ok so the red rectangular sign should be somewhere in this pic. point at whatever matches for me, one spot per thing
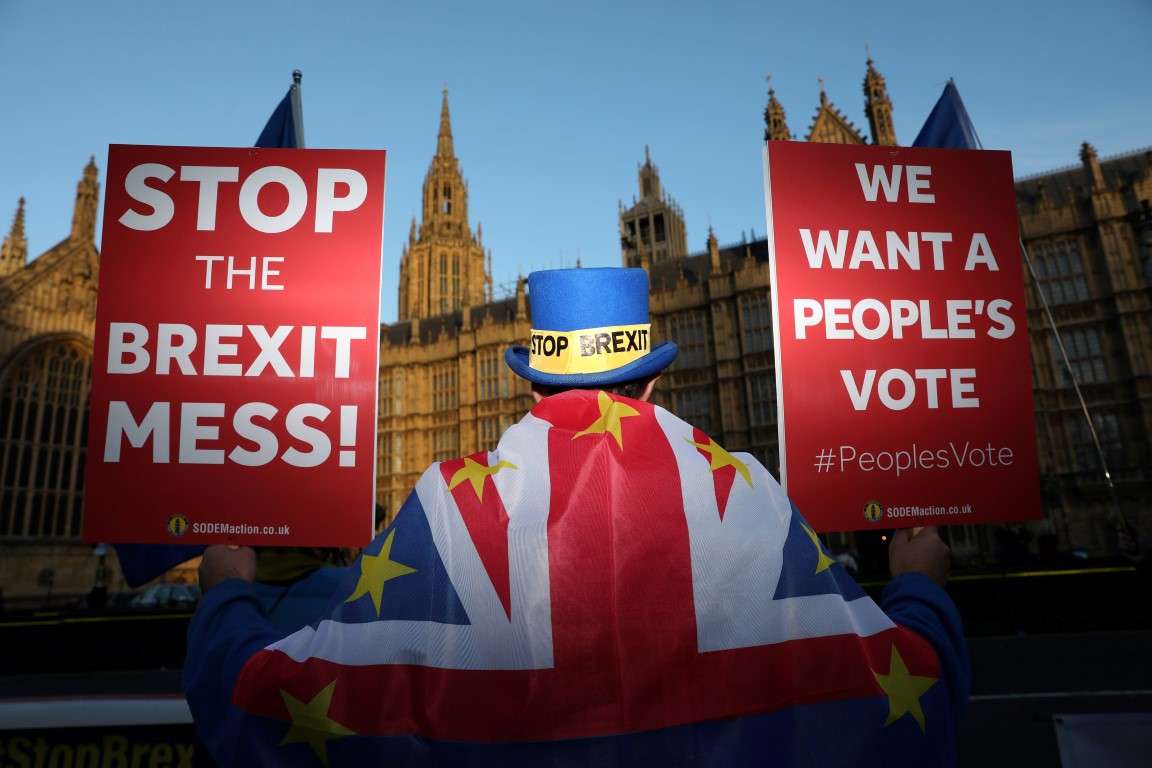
(236, 352)
(902, 356)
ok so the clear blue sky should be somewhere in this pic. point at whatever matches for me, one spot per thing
(552, 103)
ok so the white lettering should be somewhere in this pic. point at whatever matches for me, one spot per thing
(269, 351)
(962, 386)
(256, 434)
(897, 249)
(961, 381)
(343, 335)
(915, 179)
(937, 239)
(845, 319)
(958, 318)
(122, 423)
(980, 252)
(905, 314)
(918, 182)
(880, 330)
(222, 354)
(208, 262)
(859, 395)
(328, 203)
(865, 250)
(997, 309)
(265, 439)
(292, 213)
(815, 252)
(192, 432)
(807, 313)
(119, 346)
(162, 206)
(269, 272)
(337, 190)
(297, 428)
(215, 348)
(209, 177)
(879, 178)
(166, 350)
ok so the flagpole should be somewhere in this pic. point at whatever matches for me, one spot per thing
(1076, 388)
(298, 107)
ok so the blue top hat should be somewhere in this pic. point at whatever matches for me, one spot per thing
(590, 328)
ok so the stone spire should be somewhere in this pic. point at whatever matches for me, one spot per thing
(1091, 163)
(14, 252)
(445, 192)
(652, 230)
(713, 251)
(488, 272)
(87, 199)
(878, 108)
(444, 148)
(649, 177)
(775, 126)
(443, 265)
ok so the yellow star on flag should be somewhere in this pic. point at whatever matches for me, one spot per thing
(611, 412)
(822, 560)
(311, 724)
(375, 570)
(475, 472)
(721, 458)
(904, 690)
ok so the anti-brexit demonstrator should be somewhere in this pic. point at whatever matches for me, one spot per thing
(235, 359)
(609, 587)
(903, 362)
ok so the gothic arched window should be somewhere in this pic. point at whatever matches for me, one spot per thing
(44, 440)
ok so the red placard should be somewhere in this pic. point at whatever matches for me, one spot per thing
(236, 351)
(902, 358)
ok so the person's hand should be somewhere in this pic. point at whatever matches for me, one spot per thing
(919, 550)
(221, 562)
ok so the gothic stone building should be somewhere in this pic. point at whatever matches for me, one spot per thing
(445, 390)
(1088, 233)
(47, 317)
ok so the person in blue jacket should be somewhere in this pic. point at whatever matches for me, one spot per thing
(608, 587)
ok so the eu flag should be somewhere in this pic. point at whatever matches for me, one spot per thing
(609, 587)
(285, 128)
(948, 126)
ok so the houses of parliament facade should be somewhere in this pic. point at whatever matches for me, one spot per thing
(444, 390)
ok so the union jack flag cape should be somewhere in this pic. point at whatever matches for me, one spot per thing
(608, 587)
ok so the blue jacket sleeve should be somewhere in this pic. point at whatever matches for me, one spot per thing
(227, 628)
(915, 601)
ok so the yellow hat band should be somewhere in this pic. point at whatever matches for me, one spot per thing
(592, 350)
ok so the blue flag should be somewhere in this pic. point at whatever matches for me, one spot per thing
(140, 563)
(948, 126)
(285, 128)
